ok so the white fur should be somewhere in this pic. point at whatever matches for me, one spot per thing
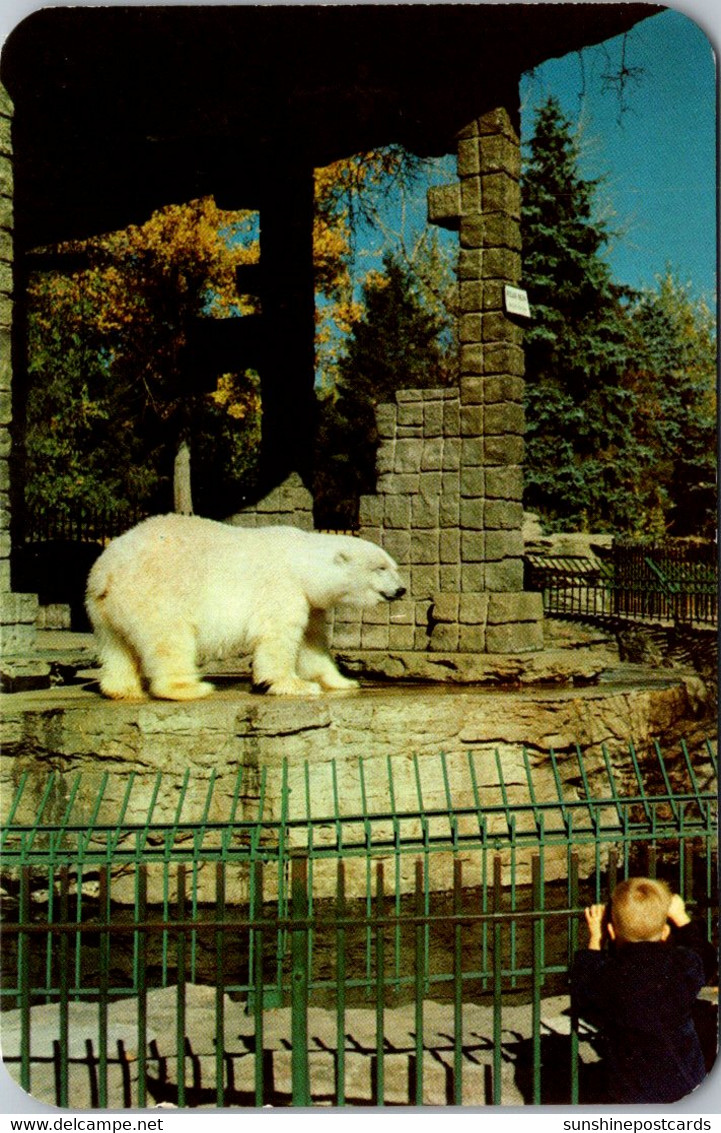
(178, 587)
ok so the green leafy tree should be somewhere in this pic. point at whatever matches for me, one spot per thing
(110, 401)
(583, 456)
(673, 373)
(83, 448)
(399, 343)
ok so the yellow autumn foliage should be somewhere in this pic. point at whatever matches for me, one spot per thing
(236, 398)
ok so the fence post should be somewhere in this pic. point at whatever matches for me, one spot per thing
(420, 969)
(458, 984)
(537, 927)
(257, 977)
(141, 983)
(24, 978)
(497, 978)
(380, 987)
(64, 988)
(340, 981)
(181, 954)
(104, 984)
(573, 903)
(299, 982)
(219, 983)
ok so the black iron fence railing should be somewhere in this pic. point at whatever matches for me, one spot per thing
(671, 582)
(79, 525)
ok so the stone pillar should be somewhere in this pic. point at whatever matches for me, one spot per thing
(18, 612)
(484, 207)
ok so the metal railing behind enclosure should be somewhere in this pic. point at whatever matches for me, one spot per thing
(673, 580)
(665, 582)
(353, 958)
(79, 524)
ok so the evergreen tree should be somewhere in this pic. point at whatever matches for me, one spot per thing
(582, 457)
(399, 343)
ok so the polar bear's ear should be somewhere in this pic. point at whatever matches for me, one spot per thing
(341, 558)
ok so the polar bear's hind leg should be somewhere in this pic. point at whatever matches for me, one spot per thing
(169, 664)
(287, 686)
(181, 689)
(119, 672)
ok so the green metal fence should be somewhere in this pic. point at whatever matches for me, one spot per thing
(327, 955)
(670, 582)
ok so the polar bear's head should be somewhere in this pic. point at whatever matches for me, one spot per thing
(356, 572)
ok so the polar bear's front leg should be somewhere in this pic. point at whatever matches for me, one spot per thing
(314, 661)
(275, 662)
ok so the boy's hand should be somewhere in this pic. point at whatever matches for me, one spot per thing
(595, 916)
(677, 911)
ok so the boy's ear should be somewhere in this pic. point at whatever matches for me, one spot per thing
(611, 931)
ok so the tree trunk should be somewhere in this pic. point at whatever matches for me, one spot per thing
(182, 492)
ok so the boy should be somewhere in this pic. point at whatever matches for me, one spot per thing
(641, 992)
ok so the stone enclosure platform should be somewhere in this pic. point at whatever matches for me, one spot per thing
(576, 698)
(72, 728)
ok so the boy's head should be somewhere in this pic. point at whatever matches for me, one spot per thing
(639, 908)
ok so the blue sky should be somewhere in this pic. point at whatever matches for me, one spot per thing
(658, 157)
(659, 160)
(654, 152)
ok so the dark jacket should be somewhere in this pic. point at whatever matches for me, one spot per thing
(641, 997)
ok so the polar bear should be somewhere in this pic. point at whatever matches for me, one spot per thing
(177, 587)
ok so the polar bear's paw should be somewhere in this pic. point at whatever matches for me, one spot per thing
(133, 691)
(181, 690)
(288, 686)
(336, 682)
(119, 676)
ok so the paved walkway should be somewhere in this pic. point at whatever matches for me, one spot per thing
(399, 1069)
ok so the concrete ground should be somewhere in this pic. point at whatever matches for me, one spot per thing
(399, 1063)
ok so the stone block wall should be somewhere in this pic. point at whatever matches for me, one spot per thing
(17, 611)
(491, 613)
(431, 514)
(289, 504)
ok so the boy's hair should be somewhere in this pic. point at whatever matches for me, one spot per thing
(639, 908)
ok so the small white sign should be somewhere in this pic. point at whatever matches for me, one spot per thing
(516, 302)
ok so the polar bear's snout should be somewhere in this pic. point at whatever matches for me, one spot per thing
(386, 579)
(390, 596)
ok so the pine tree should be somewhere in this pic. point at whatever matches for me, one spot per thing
(399, 343)
(582, 456)
(396, 343)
